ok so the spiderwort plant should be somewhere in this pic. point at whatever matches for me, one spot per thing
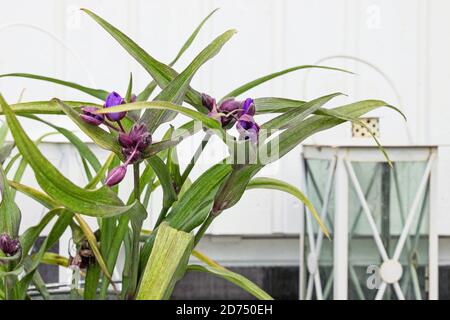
(154, 260)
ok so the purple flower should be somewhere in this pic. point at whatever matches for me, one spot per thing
(248, 128)
(114, 99)
(135, 142)
(226, 113)
(9, 246)
(248, 107)
(88, 115)
(140, 136)
(116, 175)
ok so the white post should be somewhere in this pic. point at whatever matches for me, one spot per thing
(433, 242)
(302, 271)
(340, 232)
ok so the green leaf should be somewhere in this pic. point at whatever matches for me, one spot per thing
(161, 170)
(101, 137)
(82, 148)
(90, 237)
(275, 105)
(234, 187)
(291, 137)
(31, 235)
(5, 151)
(31, 263)
(100, 202)
(160, 72)
(145, 94)
(40, 285)
(167, 263)
(113, 251)
(250, 85)
(164, 105)
(193, 207)
(235, 278)
(102, 172)
(46, 107)
(148, 90)
(9, 212)
(4, 129)
(37, 195)
(192, 37)
(295, 116)
(98, 93)
(176, 89)
(55, 259)
(174, 168)
(271, 183)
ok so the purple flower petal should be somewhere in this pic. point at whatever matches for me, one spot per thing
(248, 128)
(248, 107)
(114, 99)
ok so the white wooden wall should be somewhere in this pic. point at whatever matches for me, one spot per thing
(399, 49)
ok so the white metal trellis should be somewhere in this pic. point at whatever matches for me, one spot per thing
(342, 172)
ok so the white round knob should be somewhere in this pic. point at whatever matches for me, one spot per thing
(311, 263)
(391, 271)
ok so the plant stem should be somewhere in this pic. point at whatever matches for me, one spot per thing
(201, 232)
(136, 228)
(121, 126)
(196, 155)
(136, 181)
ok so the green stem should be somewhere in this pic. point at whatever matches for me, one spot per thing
(136, 227)
(201, 232)
(196, 155)
(136, 181)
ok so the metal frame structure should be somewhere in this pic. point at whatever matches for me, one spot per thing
(341, 176)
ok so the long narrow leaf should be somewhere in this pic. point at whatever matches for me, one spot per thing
(250, 85)
(235, 278)
(176, 89)
(97, 93)
(271, 183)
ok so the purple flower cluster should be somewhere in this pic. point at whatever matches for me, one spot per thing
(133, 143)
(231, 111)
(113, 99)
(8, 245)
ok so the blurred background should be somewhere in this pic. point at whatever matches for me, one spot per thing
(399, 53)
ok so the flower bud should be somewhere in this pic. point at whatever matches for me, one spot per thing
(89, 116)
(208, 101)
(229, 105)
(125, 140)
(116, 175)
(9, 246)
(140, 136)
(114, 99)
